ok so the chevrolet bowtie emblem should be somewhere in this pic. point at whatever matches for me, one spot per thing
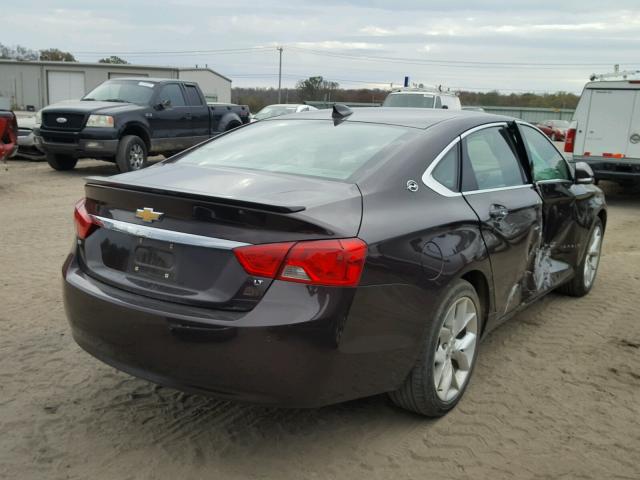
(148, 214)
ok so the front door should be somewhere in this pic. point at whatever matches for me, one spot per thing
(495, 185)
(170, 122)
(554, 183)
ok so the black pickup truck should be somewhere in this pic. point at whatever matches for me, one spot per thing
(125, 120)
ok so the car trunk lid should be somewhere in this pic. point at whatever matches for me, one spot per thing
(169, 231)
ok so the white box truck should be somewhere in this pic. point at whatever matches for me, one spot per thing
(605, 131)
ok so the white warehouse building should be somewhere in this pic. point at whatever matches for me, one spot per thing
(34, 85)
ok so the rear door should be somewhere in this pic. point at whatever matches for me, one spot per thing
(199, 114)
(495, 185)
(633, 137)
(607, 128)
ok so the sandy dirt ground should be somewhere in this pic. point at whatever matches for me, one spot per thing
(556, 392)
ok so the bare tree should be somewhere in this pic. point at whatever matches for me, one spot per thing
(113, 59)
(18, 53)
(316, 88)
(56, 55)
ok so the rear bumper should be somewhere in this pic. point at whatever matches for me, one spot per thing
(27, 145)
(612, 168)
(300, 347)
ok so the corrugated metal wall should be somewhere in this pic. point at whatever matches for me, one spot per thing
(532, 115)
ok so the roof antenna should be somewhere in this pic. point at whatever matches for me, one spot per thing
(340, 113)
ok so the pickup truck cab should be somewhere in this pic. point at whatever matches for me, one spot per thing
(125, 120)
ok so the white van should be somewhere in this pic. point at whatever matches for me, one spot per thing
(422, 98)
(605, 131)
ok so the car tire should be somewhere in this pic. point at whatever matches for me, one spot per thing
(61, 162)
(586, 271)
(425, 389)
(132, 154)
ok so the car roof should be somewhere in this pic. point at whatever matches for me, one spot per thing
(422, 91)
(405, 117)
(151, 79)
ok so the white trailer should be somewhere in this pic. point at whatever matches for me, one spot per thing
(605, 131)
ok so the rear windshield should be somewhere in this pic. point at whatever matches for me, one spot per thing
(413, 100)
(303, 147)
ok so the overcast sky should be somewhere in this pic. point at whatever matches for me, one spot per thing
(506, 45)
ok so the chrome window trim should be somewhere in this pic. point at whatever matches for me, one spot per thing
(482, 127)
(431, 182)
(572, 180)
(166, 235)
(498, 189)
(436, 186)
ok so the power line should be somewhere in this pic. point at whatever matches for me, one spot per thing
(362, 57)
(450, 63)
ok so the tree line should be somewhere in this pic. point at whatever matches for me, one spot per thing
(318, 89)
(24, 54)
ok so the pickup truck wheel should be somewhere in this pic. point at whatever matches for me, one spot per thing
(61, 162)
(132, 154)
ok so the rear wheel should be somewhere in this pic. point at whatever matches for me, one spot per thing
(442, 373)
(61, 162)
(587, 269)
(132, 154)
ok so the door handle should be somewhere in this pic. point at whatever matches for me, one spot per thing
(188, 116)
(498, 211)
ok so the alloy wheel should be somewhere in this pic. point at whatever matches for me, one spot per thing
(455, 350)
(136, 157)
(593, 257)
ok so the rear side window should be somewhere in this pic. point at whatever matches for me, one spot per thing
(546, 162)
(193, 96)
(173, 93)
(302, 147)
(446, 172)
(490, 161)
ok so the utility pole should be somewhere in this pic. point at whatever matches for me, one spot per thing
(280, 76)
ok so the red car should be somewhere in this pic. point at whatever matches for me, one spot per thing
(8, 134)
(554, 129)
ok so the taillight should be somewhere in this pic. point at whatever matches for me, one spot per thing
(84, 223)
(569, 140)
(262, 260)
(317, 262)
(13, 130)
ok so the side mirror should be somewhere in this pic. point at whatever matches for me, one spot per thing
(163, 105)
(584, 174)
